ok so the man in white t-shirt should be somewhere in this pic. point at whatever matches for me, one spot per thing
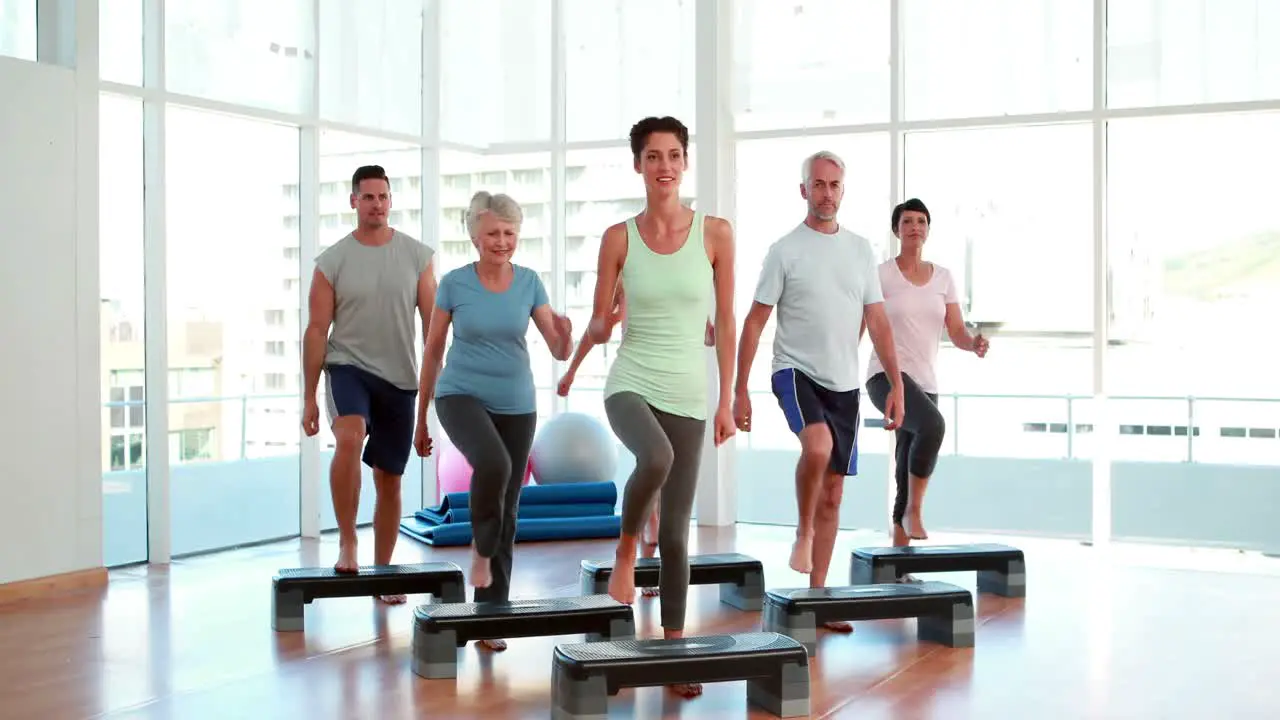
(824, 281)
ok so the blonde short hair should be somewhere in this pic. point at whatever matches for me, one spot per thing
(501, 205)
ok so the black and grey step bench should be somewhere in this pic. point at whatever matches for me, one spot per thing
(1001, 569)
(740, 577)
(294, 588)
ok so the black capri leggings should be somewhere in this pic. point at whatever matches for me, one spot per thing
(918, 439)
(497, 449)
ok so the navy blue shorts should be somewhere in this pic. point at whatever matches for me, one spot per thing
(805, 402)
(389, 414)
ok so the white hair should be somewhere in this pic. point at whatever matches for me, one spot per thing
(806, 169)
(501, 205)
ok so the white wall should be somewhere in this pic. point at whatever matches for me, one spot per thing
(50, 459)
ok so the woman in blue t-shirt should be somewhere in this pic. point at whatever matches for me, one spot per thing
(485, 395)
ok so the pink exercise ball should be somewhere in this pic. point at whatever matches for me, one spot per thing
(453, 472)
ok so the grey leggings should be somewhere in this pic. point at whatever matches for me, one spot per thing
(918, 439)
(497, 449)
(668, 450)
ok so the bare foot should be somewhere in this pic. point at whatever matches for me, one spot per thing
(914, 525)
(649, 592)
(347, 560)
(480, 575)
(494, 645)
(622, 581)
(802, 554)
(393, 599)
(684, 690)
(687, 690)
(839, 626)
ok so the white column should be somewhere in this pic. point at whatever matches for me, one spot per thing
(430, 192)
(716, 502)
(1104, 427)
(897, 175)
(155, 304)
(557, 224)
(310, 473)
(72, 41)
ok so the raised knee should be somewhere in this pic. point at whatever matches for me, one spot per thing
(815, 445)
(656, 462)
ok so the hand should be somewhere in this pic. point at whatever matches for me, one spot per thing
(310, 417)
(894, 406)
(710, 339)
(421, 440)
(565, 383)
(564, 330)
(980, 346)
(724, 425)
(601, 329)
(742, 411)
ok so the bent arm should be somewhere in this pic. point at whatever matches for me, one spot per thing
(725, 324)
(956, 330)
(320, 306)
(877, 322)
(752, 328)
(432, 356)
(559, 343)
(613, 250)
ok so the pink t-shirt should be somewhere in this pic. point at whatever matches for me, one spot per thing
(917, 314)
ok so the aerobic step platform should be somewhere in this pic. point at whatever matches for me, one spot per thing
(740, 577)
(294, 588)
(439, 630)
(775, 667)
(1001, 569)
(944, 611)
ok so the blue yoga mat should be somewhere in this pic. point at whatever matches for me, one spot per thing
(456, 515)
(527, 530)
(595, 493)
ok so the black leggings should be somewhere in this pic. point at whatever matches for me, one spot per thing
(497, 449)
(919, 438)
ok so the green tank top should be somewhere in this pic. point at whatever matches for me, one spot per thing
(662, 357)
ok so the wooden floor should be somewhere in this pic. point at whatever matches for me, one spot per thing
(1098, 636)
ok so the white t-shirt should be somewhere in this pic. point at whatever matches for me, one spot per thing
(917, 314)
(819, 284)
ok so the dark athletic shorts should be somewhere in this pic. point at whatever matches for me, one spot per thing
(389, 414)
(804, 402)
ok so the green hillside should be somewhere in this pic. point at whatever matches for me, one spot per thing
(1233, 267)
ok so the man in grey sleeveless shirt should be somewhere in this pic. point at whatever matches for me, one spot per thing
(367, 288)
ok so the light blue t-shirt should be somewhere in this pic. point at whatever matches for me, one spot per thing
(488, 358)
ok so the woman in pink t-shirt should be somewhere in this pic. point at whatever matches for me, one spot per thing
(921, 301)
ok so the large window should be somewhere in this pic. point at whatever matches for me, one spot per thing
(625, 60)
(997, 57)
(230, 253)
(1193, 271)
(122, 345)
(495, 75)
(809, 63)
(18, 29)
(1176, 52)
(120, 41)
(371, 65)
(248, 52)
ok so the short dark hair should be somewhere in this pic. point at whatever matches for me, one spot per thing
(641, 131)
(912, 205)
(368, 172)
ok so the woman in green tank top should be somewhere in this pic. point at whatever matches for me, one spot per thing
(669, 260)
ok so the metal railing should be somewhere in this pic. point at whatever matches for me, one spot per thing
(1190, 424)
